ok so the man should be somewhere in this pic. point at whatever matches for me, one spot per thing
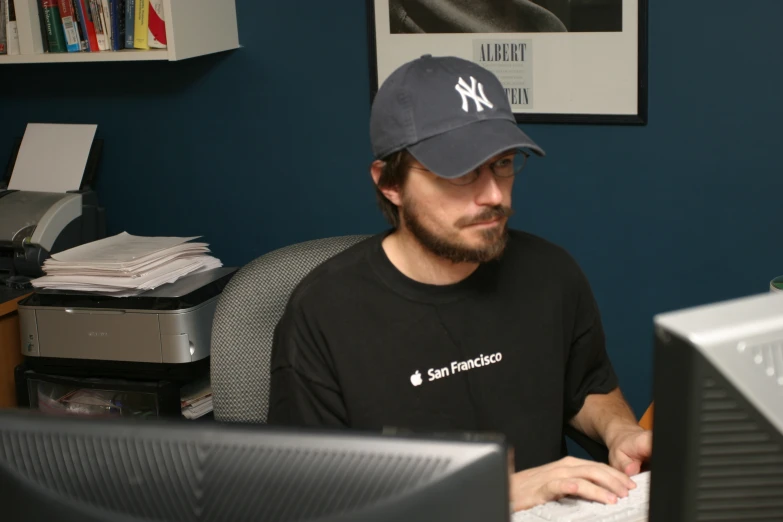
(450, 321)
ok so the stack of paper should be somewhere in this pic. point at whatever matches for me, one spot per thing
(196, 399)
(124, 264)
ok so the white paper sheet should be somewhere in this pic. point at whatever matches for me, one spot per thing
(52, 157)
(151, 279)
(63, 268)
(122, 249)
(124, 264)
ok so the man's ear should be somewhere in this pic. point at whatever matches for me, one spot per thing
(391, 193)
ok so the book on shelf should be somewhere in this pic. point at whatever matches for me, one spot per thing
(156, 27)
(140, 28)
(3, 48)
(96, 11)
(28, 25)
(11, 29)
(70, 26)
(130, 13)
(55, 36)
(86, 25)
(117, 10)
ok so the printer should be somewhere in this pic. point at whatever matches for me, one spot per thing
(170, 325)
(91, 354)
(35, 225)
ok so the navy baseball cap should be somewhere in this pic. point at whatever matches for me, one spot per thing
(451, 114)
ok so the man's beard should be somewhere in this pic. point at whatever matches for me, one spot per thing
(453, 249)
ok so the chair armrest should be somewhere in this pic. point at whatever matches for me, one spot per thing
(646, 421)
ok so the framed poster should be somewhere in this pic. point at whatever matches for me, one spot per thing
(560, 61)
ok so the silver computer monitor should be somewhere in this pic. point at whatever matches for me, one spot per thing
(89, 470)
(718, 427)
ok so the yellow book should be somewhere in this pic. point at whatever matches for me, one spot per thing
(141, 24)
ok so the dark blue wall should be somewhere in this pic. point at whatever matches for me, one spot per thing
(267, 145)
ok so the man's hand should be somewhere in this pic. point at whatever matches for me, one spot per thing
(568, 476)
(629, 448)
(608, 417)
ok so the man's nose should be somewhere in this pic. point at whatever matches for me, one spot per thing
(489, 192)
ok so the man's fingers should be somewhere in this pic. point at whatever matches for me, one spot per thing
(579, 487)
(631, 458)
(632, 468)
(570, 462)
(595, 471)
(625, 464)
(644, 445)
(569, 476)
(606, 477)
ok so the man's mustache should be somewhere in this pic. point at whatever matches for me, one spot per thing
(489, 214)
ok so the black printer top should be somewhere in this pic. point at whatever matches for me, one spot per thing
(186, 292)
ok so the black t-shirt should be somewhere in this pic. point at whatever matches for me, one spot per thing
(513, 349)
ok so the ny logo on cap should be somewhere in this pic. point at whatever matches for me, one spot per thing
(470, 92)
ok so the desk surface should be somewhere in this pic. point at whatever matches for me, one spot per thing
(9, 297)
(10, 353)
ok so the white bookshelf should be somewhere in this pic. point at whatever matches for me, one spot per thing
(193, 28)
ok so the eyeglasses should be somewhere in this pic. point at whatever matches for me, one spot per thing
(507, 166)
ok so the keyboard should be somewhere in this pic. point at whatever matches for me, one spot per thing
(633, 508)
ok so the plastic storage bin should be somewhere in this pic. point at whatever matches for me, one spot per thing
(57, 394)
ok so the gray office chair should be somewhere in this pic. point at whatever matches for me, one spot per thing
(247, 312)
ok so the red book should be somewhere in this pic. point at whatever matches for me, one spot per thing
(89, 26)
(66, 9)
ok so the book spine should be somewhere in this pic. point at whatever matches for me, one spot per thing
(28, 24)
(140, 26)
(77, 20)
(11, 30)
(88, 27)
(156, 36)
(70, 32)
(103, 8)
(95, 13)
(117, 24)
(130, 16)
(3, 47)
(54, 27)
(42, 25)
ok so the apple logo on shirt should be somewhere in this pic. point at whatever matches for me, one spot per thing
(416, 379)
